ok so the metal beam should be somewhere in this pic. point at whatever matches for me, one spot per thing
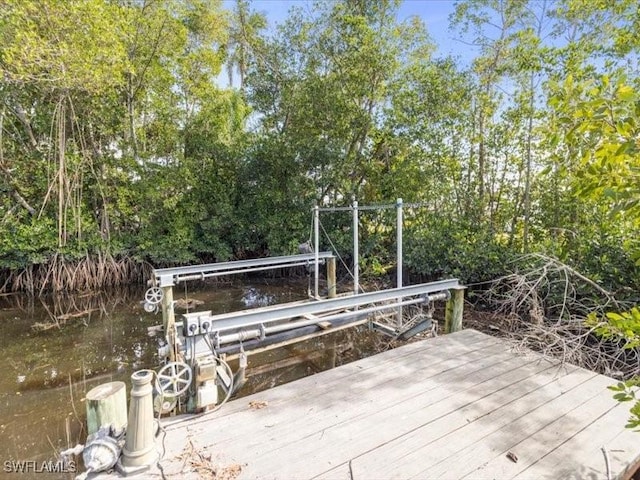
(399, 223)
(316, 251)
(200, 272)
(249, 318)
(283, 327)
(356, 250)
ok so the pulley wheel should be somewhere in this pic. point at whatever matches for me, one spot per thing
(149, 307)
(153, 295)
(174, 378)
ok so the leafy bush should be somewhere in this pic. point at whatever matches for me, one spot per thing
(452, 249)
(625, 327)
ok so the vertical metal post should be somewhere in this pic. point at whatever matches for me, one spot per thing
(316, 250)
(356, 250)
(399, 222)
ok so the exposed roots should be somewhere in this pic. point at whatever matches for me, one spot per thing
(543, 307)
(58, 274)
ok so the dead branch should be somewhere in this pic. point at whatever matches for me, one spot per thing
(546, 304)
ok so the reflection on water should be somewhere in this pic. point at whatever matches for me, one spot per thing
(56, 350)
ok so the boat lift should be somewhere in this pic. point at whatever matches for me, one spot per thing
(194, 347)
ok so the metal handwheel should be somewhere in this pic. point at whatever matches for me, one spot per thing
(174, 378)
(153, 295)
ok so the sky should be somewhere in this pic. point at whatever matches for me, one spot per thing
(434, 13)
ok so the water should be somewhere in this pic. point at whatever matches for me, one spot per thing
(56, 350)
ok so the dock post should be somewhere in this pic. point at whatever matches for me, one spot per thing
(331, 277)
(454, 310)
(107, 405)
(139, 451)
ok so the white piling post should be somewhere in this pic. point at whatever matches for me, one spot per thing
(139, 451)
(399, 221)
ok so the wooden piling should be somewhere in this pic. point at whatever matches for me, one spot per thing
(107, 405)
(454, 310)
(331, 277)
(169, 320)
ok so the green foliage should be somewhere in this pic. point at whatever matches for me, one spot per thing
(627, 392)
(442, 248)
(26, 241)
(118, 137)
(600, 118)
(623, 326)
(64, 45)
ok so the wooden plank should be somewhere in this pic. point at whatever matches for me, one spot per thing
(545, 440)
(577, 453)
(447, 407)
(341, 472)
(494, 441)
(444, 347)
(362, 401)
(624, 451)
(300, 417)
(358, 435)
(477, 411)
(458, 344)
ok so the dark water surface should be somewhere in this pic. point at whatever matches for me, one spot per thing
(55, 350)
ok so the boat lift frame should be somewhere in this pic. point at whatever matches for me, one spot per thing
(355, 209)
(276, 325)
(166, 278)
(219, 324)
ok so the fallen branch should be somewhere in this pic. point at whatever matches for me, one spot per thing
(543, 307)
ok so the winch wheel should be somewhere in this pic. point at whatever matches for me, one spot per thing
(153, 295)
(174, 378)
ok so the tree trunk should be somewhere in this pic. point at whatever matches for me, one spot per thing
(61, 175)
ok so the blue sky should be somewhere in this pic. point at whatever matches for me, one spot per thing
(434, 13)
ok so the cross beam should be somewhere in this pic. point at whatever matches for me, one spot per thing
(250, 318)
(167, 277)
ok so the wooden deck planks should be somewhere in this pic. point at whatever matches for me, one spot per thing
(291, 410)
(449, 407)
(343, 440)
(544, 440)
(569, 459)
(436, 442)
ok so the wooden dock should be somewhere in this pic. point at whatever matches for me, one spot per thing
(457, 406)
